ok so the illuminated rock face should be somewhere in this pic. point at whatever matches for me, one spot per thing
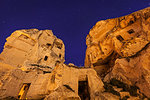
(32, 63)
(64, 82)
(32, 66)
(119, 48)
(30, 48)
(125, 36)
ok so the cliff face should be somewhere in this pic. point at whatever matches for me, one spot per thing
(119, 48)
(125, 36)
(32, 67)
(28, 48)
(117, 63)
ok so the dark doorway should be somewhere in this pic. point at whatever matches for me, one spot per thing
(83, 90)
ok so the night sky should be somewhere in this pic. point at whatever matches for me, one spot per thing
(70, 20)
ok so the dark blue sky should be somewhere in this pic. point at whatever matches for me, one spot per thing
(70, 20)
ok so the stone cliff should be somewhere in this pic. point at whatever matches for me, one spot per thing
(119, 49)
(117, 63)
(33, 47)
(32, 67)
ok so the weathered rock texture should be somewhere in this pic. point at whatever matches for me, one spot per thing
(61, 84)
(32, 63)
(119, 48)
(32, 67)
(33, 48)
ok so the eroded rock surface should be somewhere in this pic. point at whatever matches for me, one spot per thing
(32, 67)
(28, 49)
(134, 70)
(124, 36)
(119, 48)
(117, 63)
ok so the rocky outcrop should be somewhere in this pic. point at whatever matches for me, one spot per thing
(32, 49)
(116, 64)
(32, 67)
(124, 36)
(133, 71)
(119, 48)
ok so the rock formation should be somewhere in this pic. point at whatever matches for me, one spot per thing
(119, 49)
(32, 67)
(117, 63)
(33, 48)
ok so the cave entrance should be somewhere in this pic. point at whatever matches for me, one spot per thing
(83, 90)
(23, 92)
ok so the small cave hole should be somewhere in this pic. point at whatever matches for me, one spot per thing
(59, 55)
(59, 47)
(48, 44)
(120, 38)
(131, 22)
(45, 58)
(131, 31)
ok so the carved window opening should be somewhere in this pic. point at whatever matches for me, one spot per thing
(45, 58)
(23, 92)
(120, 38)
(59, 47)
(131, 22)
(83, 90)
(59, 55)
(48, 44)
(131, 31)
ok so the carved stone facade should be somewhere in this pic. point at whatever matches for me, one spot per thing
(119, 48)
(116, 63)
(32, 67)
